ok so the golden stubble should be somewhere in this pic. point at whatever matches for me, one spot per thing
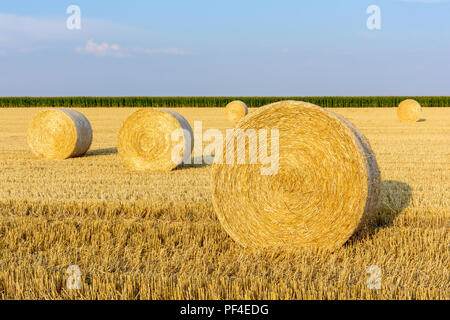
(155, 235)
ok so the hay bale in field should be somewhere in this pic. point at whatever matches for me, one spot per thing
(146, 140)
(59, 134)
(236, 110)
(325, 189)
(409, 111)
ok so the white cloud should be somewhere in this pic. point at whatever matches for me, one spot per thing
(22, 32)
(175, 51)
(101, 49)
(106, 49)
(169, 51)
(27, 34)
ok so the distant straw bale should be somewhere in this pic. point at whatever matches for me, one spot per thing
(236, 110)
(59, 134)
(409, 111)
(146, 140)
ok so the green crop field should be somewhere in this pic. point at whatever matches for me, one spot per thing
(212, 102)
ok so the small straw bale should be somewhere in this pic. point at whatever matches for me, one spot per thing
(59, 134)
(236, 110)
(409, 111)
(325, 189)
(146, 140)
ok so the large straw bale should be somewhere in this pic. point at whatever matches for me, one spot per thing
(325, 189)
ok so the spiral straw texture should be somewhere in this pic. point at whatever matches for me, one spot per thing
(59, 134)
(326, 187)
(146, 142)
(409, 111)
(236, 110)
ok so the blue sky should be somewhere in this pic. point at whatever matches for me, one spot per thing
(226, 48)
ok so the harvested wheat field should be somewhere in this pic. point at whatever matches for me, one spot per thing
(138, 235)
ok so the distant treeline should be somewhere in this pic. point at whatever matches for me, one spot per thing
(199, 102)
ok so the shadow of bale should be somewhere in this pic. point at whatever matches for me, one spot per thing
(197, 162)
(422, 120)
(395, 197)
(101, 152)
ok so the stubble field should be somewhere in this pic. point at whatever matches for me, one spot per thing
(155, 235)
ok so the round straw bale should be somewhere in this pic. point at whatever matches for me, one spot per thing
(325, 188)
(146, 140)
(236, 110)
(409, 111)
(59, 134)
